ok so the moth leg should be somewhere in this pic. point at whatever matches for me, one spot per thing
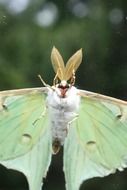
(70, 122)
(43, 82)
(42, 115)
(55, 80)
(72, 82)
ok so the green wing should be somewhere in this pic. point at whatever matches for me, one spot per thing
(25, 138)
(96, 144)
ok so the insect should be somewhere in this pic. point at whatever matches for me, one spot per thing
(36, 122)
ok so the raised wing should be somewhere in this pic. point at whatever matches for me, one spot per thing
(97, 140)
(25, 136)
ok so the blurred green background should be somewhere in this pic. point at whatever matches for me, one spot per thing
(28, 31)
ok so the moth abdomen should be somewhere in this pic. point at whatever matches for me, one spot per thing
(56, 145)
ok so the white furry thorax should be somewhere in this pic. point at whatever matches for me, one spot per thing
(62, 111)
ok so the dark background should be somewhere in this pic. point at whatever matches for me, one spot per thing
(28, 31)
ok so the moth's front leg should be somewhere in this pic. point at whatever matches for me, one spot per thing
(42, 115)
(70, 122)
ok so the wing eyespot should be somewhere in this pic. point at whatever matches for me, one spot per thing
(91, 145)
(26, 138)
(119, 116)
(5, 107)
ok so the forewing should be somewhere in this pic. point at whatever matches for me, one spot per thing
(96, 144)
(22, 121)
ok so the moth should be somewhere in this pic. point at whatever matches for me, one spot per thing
(36, 122)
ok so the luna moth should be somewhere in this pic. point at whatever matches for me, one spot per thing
(36, 122)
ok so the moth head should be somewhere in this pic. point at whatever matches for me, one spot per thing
(62, 88)
(65, 74)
